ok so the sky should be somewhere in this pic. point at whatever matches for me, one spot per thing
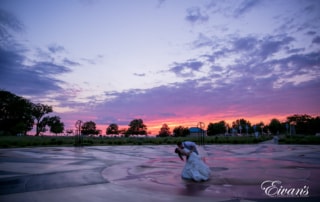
(178, 62)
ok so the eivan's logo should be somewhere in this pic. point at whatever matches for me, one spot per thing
(275, 189)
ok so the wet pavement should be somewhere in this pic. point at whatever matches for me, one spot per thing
(152, 173)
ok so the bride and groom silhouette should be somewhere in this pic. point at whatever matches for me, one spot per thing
(195, 168)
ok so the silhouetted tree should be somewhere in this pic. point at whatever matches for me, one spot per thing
(41, 126)
(15, 114)
(241, 124)
(315, 125)
(303, 123)
(164, 131)
(137, 127)
(181, 131)
(216, 128)
(56, 126)
(275, 126)
(38, 111)
(112, 129)
(89, 128)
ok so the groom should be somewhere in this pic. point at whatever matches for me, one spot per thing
(189, 145)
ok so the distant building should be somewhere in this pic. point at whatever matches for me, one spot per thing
(196, 132)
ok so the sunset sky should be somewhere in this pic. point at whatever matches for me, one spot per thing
(165, 61)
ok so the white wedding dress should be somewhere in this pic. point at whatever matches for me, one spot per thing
(195, 169)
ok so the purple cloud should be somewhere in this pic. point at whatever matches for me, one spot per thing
(49, 68)
(311, 33)
(69, 62)
(34, 79)
(316, 40)
(245, 44)
(247, 94)
(186, 69)
(54, 48)
(140, 75)
(241, 74)
(244, 7)
(9, 22)
(194, 15)
(202, 41)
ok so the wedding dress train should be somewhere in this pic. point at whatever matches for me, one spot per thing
(195, 169)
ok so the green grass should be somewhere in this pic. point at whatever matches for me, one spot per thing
(34, 141)
(300, 139)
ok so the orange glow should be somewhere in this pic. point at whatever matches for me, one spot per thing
(153, 126)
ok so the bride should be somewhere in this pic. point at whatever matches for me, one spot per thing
(194, 169)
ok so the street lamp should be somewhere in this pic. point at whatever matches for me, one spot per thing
(247, 128)
(201, 126)
(78, 136)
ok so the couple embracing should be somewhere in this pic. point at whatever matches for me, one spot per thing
(194, 169)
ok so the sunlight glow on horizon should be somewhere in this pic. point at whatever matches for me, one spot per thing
(175, 62)
(154, 126)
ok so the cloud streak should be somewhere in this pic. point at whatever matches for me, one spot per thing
(218, 66)
(9, 23)
(194, 15)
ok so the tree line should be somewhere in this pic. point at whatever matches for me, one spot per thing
(18, 116)
(136, 127)
(295, 124)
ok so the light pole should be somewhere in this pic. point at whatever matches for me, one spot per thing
(201, 126)
(78, 136)
(227, 129)
(247, 128)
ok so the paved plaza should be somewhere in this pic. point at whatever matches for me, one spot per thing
(152, 173)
